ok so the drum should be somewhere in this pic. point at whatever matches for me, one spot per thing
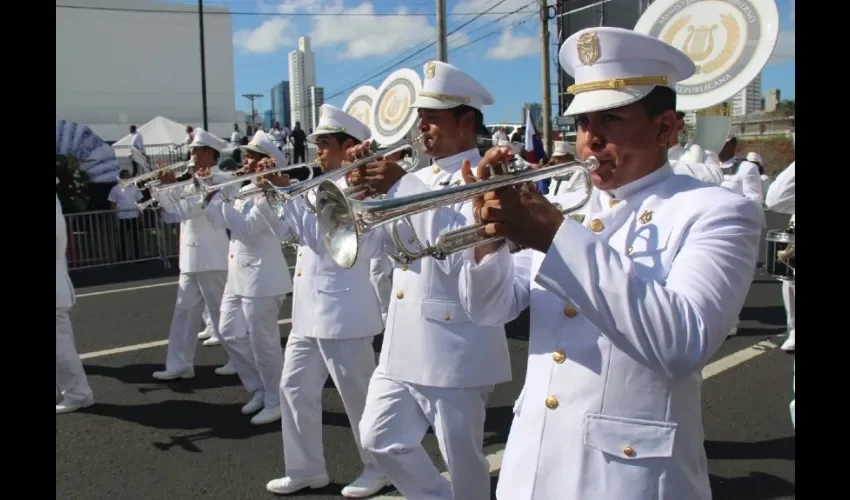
(780, 255)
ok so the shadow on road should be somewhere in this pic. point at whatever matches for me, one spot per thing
(141, 374)
(770, 449)
(769, 315)
(756, 486)
(122, 273)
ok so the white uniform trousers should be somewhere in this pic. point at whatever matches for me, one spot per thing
(395, 420)
(381, 277)
(194, 290)
(793, 405)
(789, 297)
(208, 323)
(307, 363)
(251, 337)
(70, 377)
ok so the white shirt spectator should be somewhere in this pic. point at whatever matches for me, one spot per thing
(125, 200)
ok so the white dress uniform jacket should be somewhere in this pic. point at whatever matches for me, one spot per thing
(203, 242)
(626, 309)
(65, 297)
(745, 182)
(330, 302)
(256, 265)
(446, 349)
(780, 196)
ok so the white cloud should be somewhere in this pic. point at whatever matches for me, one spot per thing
(353, 37)
(366, 35)
(512, 46)
(785, 48)
(270, 36)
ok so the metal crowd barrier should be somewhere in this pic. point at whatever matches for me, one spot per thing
(103, 238)
(109, 237)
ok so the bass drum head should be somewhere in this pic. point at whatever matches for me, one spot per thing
(392, 117)
(729, 41)
(359, 104)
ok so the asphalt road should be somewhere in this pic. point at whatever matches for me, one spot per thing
(145, 439)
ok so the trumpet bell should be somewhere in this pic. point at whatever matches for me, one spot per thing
(336, 216)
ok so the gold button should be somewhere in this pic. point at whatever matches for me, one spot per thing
(570, 312)
(399, 295)
(613, 203)
(411, 240)
(231, 256)
(559, 356)
(404, 267)
(447, 317)
(551, 402)
(299, 273)
(629, 250)
(436, 170)
(596, 225)
(629, 451)
(300, 254)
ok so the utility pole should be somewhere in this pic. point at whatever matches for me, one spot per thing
(252, 97)
(547, 90)
(442, 43)
(203, 64)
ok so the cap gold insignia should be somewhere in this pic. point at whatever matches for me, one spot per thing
(430, 70)
(645, 217)
(588, 48)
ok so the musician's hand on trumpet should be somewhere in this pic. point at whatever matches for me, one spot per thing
(517, 213)
(380, 175)
(166, 177)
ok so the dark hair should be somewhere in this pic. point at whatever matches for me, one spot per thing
(680, 115)
(659, 100)
(463, 109)
(341, 137)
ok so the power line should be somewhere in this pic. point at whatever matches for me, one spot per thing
(275, 14)
(394, 65)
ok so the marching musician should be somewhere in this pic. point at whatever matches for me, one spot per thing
(780, 198)
(335, 317)
(436, 368)
(257, 283)
(563, 152)
(74, 389)
(203, 261)
(626, 307)
(707, 172)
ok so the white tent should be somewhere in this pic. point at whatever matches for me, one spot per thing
(159, 131)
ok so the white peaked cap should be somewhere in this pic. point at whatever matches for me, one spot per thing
(264, 144)
(445, 87)
(563, 148)
(754, 157)
(333, 120)
(615, 67)
(201, 138)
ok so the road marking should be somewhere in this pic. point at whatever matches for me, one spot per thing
(715, 368)
(146, 345)
(132, 288)
(736, 358)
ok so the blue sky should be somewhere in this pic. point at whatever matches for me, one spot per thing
(503, 54)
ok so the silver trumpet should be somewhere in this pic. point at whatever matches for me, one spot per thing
(344, 221)
(195, 182)
(277, 197)
(139, 180)
(231, 186)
